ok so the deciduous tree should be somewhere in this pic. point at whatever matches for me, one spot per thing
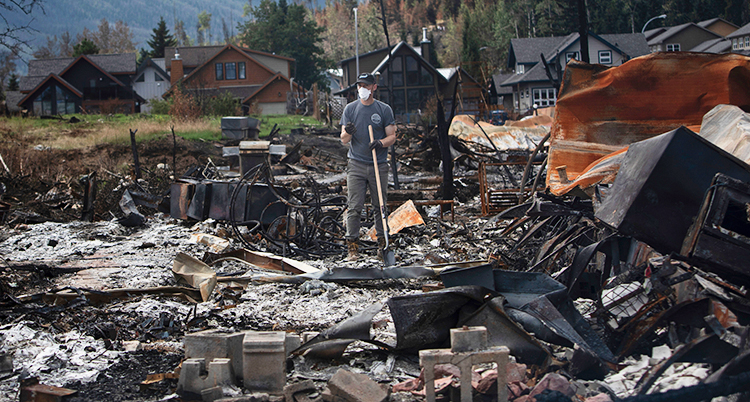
(110, 39)
(16, 21)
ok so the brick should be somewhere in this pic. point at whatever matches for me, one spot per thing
(354, 387)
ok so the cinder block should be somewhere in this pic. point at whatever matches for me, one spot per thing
(308, 335)
(355, 387)
(194, 379)
(264, 361)
(467, 339)
(214, 344)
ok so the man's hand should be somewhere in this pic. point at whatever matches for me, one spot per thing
(376, 145)
(350, 128)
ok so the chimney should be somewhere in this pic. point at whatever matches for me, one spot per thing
(425, 46)
(177, 72)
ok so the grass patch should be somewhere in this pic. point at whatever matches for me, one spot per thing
(94, 129)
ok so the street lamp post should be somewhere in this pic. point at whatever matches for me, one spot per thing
(356, 39)
(655, 18)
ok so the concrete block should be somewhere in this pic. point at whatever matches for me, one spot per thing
(131, 346)
(194, 378)
(354, 387)
(293, 341)
(214, 344)
(467, 339)
(264, 361)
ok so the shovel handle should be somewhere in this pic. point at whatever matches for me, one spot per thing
(377, 182)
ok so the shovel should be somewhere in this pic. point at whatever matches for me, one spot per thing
(388, 257)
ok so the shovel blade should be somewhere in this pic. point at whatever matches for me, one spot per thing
(389, 258)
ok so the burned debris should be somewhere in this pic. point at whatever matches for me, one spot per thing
(597, 255)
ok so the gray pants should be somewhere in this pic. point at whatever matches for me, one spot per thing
(359, 177)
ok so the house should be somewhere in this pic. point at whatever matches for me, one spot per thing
(499, 94)
(740, 39)
(89, 83)
(151, 81)
(259, 81)
(682, 37)
(416, 83)
(719, 26)
(531, 85)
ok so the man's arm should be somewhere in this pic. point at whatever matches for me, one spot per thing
(390, 136)
(345, 137)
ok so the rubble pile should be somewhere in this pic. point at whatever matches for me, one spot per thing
(621, 276)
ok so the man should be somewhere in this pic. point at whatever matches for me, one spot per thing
(355, 122)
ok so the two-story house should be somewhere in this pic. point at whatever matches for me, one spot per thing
(683, 37)
(531, 85)
(740, 40)
(414, 81)
(259, 81)
(92, 83)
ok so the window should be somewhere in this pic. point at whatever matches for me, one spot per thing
(747, 42)
(734, 44)
(673, 47)
(740, 44)
(241, 67)
(141, 78)
(231, 71)
(519, 68)
(544, 97)
(55, 100)
(219, 71)
(572, 55)
(412, 71)
(398, 72)
(605, 57)
(157, 77)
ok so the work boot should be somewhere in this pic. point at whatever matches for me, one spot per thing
(381, 246)
(353, 248)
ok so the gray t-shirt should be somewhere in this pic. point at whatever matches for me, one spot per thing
(379, 115)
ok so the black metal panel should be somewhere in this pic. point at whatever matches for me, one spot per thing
(661, 184)
(199, 204)
(260, 198)
(221, 194)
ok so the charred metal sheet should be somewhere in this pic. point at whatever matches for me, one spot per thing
(199, 204)
(720, 236)
(594, 114)
(547, 300)
(180, 194)
(262, 260)
(220, 199)
(332, 342)
(504, 330)
(132, 217)
(262, 204)
(423, 321)
(32, 391)
(650, 203)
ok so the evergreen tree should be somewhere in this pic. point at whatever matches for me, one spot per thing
(160, 39)
(13, 82)
(85, 46)
(288, 31)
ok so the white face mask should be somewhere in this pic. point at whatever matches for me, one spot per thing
(364, 93)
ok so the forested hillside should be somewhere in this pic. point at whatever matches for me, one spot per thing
(464, 31)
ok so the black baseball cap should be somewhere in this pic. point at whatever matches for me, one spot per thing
(366, 78)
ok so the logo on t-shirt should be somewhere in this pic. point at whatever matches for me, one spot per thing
(376, 119)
